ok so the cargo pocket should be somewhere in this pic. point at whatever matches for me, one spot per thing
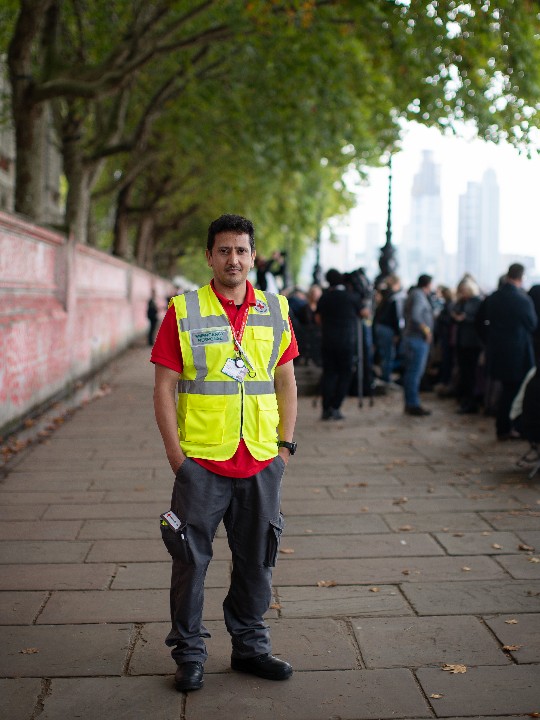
(274, 536)
(176, 543)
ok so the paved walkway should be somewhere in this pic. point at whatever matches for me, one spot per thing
(409, 546)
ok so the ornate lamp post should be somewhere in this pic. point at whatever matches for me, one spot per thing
(387, 259)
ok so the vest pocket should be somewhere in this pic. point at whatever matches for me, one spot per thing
(205, 419)
(268, 417)
(176, 543)
(274, 536)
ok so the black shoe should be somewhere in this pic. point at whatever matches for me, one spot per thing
(327, 415)
(265, 666)
(337, 415)
(417, 410)
(467, 410)
(189, 676)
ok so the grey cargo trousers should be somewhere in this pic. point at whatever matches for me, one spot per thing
(249, 508)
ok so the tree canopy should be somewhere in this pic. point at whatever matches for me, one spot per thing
(168, 113)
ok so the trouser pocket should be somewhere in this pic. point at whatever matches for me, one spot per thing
(177, 543)
(275, 529)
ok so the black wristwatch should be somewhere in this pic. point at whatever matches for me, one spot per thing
(291, 446)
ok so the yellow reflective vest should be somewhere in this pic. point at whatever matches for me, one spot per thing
(215, 411)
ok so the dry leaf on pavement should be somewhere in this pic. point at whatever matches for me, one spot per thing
(29, 651)
(374, 589)
(466, 569)
(455, 669)
(326, 583)
(511, 648)
(511, 622)
(436, 696)
(275, 606)
(522, 546)
(497, 546)
(286, 551)
(534, 560)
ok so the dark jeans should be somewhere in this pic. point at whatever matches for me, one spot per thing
(249, 508)
(337, 374)
(384, 337)
(468, 365)
(416, 353)
(509, 390)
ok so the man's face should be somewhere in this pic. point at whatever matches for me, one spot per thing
(231, 258)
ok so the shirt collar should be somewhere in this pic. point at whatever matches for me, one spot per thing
(250, 298)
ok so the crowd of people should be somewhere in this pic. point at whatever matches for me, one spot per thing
(463, 344)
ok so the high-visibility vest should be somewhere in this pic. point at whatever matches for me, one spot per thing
(215, 411)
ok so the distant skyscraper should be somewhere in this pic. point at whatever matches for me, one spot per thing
(423, 249)
(478, 231)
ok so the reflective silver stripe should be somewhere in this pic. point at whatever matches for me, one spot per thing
(259, 387)
(194, 319)
(208, 387)
(260, 320)
(278, 324)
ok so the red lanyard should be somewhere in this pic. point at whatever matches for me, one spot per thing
(238, 335)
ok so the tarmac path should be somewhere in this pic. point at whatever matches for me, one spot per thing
(411, 544)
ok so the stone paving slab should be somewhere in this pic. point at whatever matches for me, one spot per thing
(119, 529)
(530, 537)
(103, 511)
(518, 520)
(330, 525)
(483, 690)
(315, 644)
(393, 492)
(342, 600)
(150, 550)
(348, 695)
(145, 576)
(50, 576)
(486, 543)
(43, 551)
(21, 512)
(22, 483)
(299, 477)
(420, 641)
(339, 507)
(524, 631)
(356, 571)
(122, 698)
(148, 495)
(63, 650)
(521, 567)
(365, 546)
(473, 598)
(422, 505)
(20, 608)
(40, 530)
(19, 698)
(433, 522)
(121, 606)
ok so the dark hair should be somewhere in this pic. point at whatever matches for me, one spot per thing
(334, 277)
(424, 281)
(515, 271)
(232, 223)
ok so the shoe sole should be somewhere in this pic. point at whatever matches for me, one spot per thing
(262, 675)
(180, 688)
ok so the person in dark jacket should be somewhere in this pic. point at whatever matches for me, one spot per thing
(534, 294)
(468, 343)
(417, 336)
(337, 313)
(511, 322)
(388, 324)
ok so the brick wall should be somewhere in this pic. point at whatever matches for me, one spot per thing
(64, 310)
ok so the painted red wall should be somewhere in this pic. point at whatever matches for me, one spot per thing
(64, 310)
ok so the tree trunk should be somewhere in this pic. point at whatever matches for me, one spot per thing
(78, 196)
(30, 136)
(121, 244)
(145, 242)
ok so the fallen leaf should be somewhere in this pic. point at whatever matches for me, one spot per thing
(374, 589)
(308, 531)
(436, 696)
(466, 569)
(405, 528)
(511, 622)
(534, 560)
(400, 501)
(326, 583)
(511, 648)
(405, 572)
(458, 534)
(29, 651)
(275, 606)
(455, 669)
(496, 546)
(534, 714)
(522, 546)
(315, 490)
(286, 551)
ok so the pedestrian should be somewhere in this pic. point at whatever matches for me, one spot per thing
(417, 336)
(468, 343)
(511, 322)
(229, 349)
(152, 315)
(338, 313)
(387, 324)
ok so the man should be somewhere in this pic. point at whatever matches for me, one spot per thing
(510, 322)
(337, 313)
(417, 335)
(229, 348)
(152, 315)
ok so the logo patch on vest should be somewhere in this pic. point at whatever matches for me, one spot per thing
(260, 307)
(210, 336)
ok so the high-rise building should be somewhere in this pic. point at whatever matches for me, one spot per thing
(422, 250)
(478, 231)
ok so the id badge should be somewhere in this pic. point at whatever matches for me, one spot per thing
(235, 368)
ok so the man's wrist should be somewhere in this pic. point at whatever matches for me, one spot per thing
(290, 446)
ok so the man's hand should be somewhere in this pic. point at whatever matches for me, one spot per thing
(284, 453)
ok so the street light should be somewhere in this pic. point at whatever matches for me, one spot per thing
(387, 260)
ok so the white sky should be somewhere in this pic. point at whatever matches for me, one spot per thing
(461, 160)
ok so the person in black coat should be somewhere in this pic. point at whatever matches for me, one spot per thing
(468, 343)
(511, 322)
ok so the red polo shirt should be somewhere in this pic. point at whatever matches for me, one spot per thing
(167, 352)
